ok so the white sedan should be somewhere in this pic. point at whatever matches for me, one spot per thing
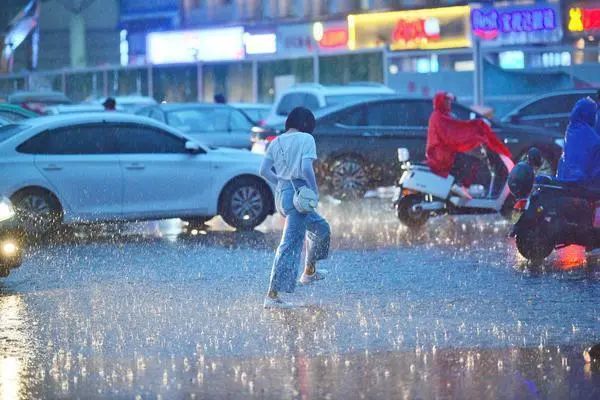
(119, 167)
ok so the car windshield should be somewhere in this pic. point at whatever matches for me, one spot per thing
(334, 100)
(204, 119)
(8, 131)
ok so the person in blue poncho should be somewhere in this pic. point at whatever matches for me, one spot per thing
(580, 162)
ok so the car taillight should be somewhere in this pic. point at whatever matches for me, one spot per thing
(270, 138)
(521, 205)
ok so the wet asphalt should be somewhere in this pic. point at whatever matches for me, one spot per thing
(150, 310)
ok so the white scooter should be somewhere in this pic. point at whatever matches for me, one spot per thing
(420, 193)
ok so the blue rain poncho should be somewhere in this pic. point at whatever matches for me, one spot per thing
(580, 162)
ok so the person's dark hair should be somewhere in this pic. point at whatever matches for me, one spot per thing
(301, 119)
(219, 98)
(110, 103)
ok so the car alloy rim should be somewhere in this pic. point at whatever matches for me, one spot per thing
(349, 176)
(34, 211)
(247, 203)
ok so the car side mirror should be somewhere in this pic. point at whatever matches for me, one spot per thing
(192, 147)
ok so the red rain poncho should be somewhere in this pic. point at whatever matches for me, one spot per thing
(447, 136)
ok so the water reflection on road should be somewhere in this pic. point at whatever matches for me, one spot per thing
(151, 309)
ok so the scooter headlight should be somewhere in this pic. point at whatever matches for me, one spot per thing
(6, 209)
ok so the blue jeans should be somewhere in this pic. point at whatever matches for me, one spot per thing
(298, 227)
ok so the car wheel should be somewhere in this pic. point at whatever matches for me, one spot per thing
(408, 216)
(245, 203)
(38, 211)
(534, 245)
(349, 178)
(196, 222)
(547, 167)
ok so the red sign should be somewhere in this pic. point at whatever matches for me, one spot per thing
(334, 38)
(416, 30)
(584, 19)
(591, 19)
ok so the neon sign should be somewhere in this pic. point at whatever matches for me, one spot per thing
(584, 19)
(489, 24)
(415, 30)
(435, 28)
(334, 38)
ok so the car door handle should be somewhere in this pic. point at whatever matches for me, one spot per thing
(135, 166)
(52, 167)
(510, 140)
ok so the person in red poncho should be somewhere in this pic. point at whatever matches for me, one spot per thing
(448, 139)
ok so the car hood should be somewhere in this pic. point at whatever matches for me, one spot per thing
(237, 154)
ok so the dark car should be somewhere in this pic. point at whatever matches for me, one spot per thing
(212, 124)
(550, 111)
(357, 143)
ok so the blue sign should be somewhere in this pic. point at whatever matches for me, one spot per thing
(539, 23)
(133, 7)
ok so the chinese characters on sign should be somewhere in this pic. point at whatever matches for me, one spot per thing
(517, 25)
(437, 28)
(584, 19)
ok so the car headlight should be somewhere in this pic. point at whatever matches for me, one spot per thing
(560, 142)
(6, 209)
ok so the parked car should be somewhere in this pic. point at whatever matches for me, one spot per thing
(11, 239)
(4, 121)
(550, 111)
(117, 166)
(357, 144)
(15, 113)
(212, 124)
(128, 104)
(315, 96)
(38, 101)
(73, 109)
(256, 112)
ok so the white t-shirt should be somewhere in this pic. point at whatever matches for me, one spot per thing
(287, 152)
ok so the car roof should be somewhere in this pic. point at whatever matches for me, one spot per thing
(54, 121)
(538, 97)
(190, 106)
(330, 110)
(17, 109)
(24, 96)
(364, 88)
(262, 106)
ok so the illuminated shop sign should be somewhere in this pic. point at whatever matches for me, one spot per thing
(193, 46)
(517, 25)
(302, 40)
(584, 20)
(436, 28)
(260, 43)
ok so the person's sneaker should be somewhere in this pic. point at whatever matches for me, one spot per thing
(276, 303)
(317, 276)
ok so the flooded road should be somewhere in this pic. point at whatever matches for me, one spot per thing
(150, 310)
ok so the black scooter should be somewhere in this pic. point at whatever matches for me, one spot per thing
(553, 214)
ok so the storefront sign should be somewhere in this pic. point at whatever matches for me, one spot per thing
(260, 43)
(307, 39)
(517, 25)
(584, 20)
(436, 28)
(197, 45)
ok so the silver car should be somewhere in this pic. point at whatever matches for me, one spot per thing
(216, 125)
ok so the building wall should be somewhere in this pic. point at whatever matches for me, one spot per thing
(101, 37)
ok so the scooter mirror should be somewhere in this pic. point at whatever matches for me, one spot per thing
(403, 155)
